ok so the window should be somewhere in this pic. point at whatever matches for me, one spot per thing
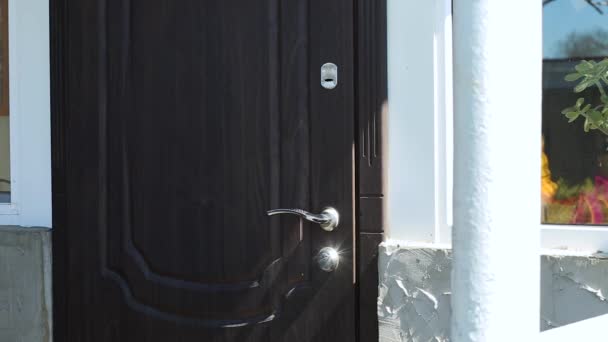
(575, 156)
(574, 132)
(25, 162)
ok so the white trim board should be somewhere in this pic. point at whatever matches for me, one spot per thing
(419, 197)
(29, 91)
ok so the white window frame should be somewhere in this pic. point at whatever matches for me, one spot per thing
(29, 107)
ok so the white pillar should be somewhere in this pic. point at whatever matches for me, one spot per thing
(497, 132)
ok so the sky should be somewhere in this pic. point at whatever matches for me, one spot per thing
(561, 17)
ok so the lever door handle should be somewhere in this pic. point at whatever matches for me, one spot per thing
(328, 219)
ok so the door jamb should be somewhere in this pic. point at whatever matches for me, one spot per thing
(371, 94)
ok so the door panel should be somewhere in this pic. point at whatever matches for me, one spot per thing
(219, 171)
(185, 121)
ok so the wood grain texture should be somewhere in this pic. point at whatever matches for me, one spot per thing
(59, 236)
(371, 214)
(371, 103)
(371, 95)
(176, 125)
(368, 286)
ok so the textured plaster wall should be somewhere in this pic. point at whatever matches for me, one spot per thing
(25, 285)
(414, 291)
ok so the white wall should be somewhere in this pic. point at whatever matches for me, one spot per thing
(419, 120)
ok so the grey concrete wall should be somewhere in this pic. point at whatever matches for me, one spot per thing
(414, 291)
(25, 285)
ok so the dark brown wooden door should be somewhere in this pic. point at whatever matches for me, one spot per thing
(181, 123)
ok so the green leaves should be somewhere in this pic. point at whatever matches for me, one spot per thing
(584, 66)
(572, 116)
(579, 102)
(573, 77)
(572, 113)
(590, 73)
(582, 86)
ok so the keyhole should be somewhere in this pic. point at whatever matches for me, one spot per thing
(329, 75)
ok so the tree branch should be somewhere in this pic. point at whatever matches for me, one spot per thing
(596, 5)
(590, 2)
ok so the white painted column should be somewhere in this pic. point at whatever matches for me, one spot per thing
(497, 131)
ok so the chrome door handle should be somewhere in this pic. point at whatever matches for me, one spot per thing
(328, 219)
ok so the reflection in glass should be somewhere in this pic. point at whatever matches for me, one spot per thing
(575, 112)
(5, 176)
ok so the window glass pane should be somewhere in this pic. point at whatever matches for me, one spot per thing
(575, 112)
(5, 170)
